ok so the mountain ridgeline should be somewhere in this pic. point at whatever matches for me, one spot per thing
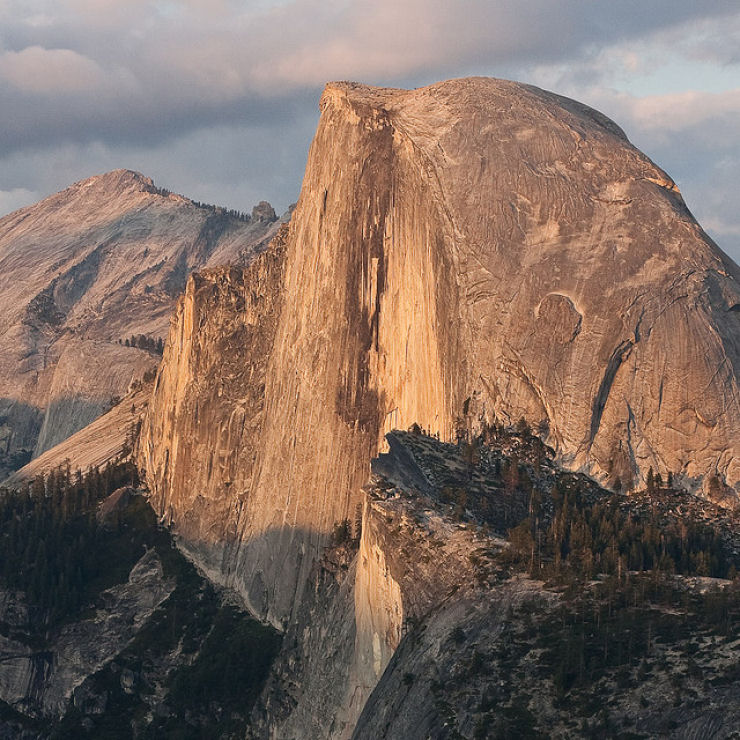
(82, 272)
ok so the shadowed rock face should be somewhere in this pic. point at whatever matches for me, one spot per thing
(476, 239)
(106, 439)
(83, 269)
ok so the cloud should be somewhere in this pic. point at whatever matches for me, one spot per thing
(677, 112)
(91, 84)
(231, 165)
(154, 65)
(11, 200)
(708, 40)
(56, 71)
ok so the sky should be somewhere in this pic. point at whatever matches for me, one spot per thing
(218, 99)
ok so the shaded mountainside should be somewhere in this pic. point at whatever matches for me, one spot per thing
(80, 273)
(470, 251)
(479, 591)
(106, 630)
(599, 614)
(109, 437)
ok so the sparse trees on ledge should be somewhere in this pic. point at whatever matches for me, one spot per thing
(142, 341)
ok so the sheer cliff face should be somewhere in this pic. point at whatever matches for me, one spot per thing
(80, 271)
(586, 296)
(201, 439)
(476, 239)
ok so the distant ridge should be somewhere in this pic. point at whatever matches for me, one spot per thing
(80, 272)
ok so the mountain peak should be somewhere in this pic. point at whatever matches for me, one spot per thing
(119, 175)
(455, 99)
(116, 181)
(96, 263)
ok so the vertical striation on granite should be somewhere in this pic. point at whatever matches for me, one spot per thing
(476, 239)
(362, 600)
(200, 439)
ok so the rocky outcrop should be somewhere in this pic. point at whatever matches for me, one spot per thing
(473, 249)
(84, 647)
(151, 646)
(362, 599)
(200, 441)
(42, 682)
(82, 271)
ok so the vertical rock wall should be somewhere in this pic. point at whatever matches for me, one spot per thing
(363, 339)
(379, 613)
(200, 440)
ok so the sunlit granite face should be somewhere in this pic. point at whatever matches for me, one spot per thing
(475, 245)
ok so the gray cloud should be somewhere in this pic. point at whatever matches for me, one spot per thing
(80, 69)
(234, 165)
(217, 98)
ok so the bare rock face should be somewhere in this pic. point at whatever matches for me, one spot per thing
(83, 270)
(477, 247)
(365, 595)
(200, 440)
(40, 682)
(263, 211)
